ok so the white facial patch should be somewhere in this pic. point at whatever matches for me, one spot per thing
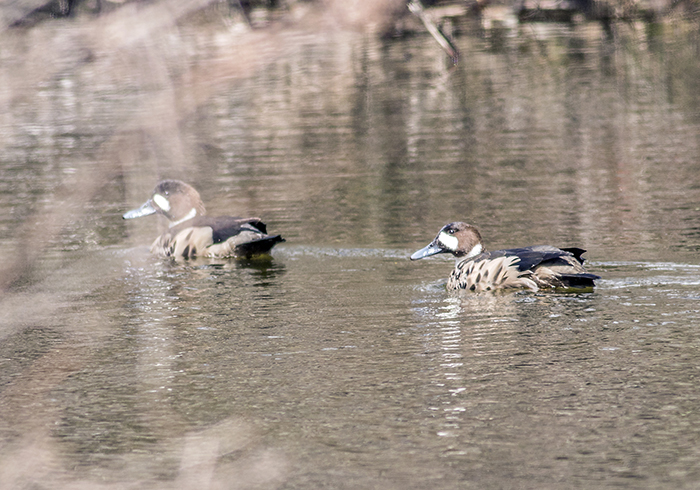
(475, 251)
(161, 202)
(448, 241)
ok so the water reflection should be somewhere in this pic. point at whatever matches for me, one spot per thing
(478, 339)
(509, 361)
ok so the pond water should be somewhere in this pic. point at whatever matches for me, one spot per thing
(338, 362)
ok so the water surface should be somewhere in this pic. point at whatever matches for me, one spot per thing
(337, 362)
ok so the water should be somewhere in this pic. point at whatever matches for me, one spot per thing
(339, 363)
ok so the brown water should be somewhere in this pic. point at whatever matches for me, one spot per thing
(338, 363)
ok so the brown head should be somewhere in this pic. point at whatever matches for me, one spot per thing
(458, 238)
(173, 199)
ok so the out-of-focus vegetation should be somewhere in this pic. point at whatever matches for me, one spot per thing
(29, 12)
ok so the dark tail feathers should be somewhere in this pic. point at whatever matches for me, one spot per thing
(258, 247)
(576, 252)
(578, 280)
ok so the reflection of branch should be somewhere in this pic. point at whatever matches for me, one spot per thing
(416, 7)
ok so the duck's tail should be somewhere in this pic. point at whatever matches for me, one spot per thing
(257, 247)
(576, 252)
(577, 281)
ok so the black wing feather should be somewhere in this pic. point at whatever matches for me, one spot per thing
(531, 257)
(223, 227)
(226, 227)
(576, 252)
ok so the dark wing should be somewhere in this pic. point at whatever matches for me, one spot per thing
(253, 239)
(223, 227)
(531, 257)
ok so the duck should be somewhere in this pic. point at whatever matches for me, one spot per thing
(533, 268)
(191, 233)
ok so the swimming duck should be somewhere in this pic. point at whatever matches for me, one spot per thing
(541, 266)
(192, 233)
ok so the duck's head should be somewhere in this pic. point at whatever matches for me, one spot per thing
(459, 239)
(173, 199)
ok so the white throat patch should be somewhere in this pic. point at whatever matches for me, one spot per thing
(448, 241)
(474, 251)
(190, 215)
(162, 202)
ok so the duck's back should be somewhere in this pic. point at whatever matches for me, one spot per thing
(541, 266)
(222, 236)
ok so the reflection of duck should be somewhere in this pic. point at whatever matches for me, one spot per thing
(541, 266)
(193, 234)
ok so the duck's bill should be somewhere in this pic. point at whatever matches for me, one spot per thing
(427, 251)
(144, 210)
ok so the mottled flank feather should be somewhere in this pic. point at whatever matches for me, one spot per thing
(185, 244)
(487, 275)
